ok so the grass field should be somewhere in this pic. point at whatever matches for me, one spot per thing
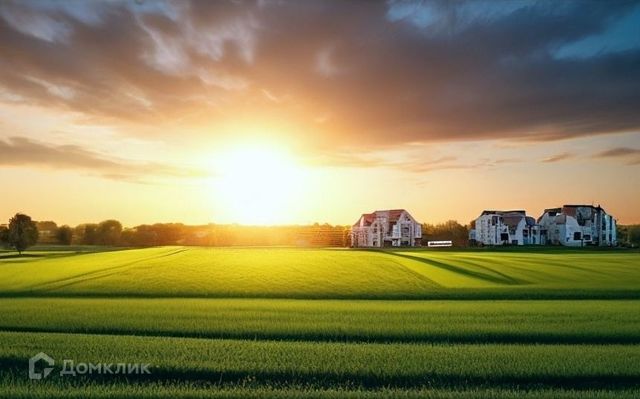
(315, 273)
(278, 322)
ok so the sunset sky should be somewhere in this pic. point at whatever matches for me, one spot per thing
(279, 112)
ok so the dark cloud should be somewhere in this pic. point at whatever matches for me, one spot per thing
(21, 151)
(338, 72)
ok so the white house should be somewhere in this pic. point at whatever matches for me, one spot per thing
(505, 227)
(578, 225)
(390, 228)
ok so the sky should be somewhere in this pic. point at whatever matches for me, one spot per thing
(295, 112)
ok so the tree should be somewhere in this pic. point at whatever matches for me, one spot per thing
(23, 232)
(633, 235)
(450, 230)
(4, 236)
(64, 234)
(86, 234)
(109, 232)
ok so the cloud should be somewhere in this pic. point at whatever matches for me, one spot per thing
(558, 157)
(618, 152)
(21, 151)
(631, 155)
(413, 159)
(386, 73)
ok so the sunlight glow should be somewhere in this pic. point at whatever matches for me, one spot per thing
(259, 185)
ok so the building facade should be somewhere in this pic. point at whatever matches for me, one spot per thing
(570, 225)
(388, 228)
(505, 228)
(578, 225)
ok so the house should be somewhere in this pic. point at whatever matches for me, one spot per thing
(578, 225)
(505, 227)
(390, 228)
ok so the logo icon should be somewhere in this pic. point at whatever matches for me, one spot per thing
(33, 375)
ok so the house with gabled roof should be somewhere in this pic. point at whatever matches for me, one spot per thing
(386, 228)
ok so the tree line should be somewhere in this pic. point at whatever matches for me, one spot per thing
(450, 230)
(112, 233)
(22, 232)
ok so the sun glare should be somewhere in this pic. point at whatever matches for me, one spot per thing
(258, 185)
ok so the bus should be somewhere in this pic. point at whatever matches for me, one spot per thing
(436, 244)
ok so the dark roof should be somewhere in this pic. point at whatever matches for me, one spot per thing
(489, 212)
(598, 207)
(512, 219)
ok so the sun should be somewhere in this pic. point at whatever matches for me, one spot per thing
(258, 185)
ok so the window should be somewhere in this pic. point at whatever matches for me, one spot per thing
(587, 237)
(504, 237)
(577, 236)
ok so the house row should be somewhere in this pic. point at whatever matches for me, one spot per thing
(570, 225)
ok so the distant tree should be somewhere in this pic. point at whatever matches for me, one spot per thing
(168, 233)
(4, 236)
(86, 234)
(109, 232)
(64, 234)
(450, 230)
(633, 235)
(23, 232)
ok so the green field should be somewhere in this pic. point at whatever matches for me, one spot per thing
(323, 274)
(280, 322)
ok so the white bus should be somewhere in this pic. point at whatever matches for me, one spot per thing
(432, 244)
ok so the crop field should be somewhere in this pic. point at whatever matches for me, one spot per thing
(324, 323)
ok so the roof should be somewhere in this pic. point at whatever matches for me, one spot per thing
(572, 207)
(552, 210)
(391, 214)
(549, 210)
(512, 219)
(367, 219)
(582, 206)
(491, 212)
